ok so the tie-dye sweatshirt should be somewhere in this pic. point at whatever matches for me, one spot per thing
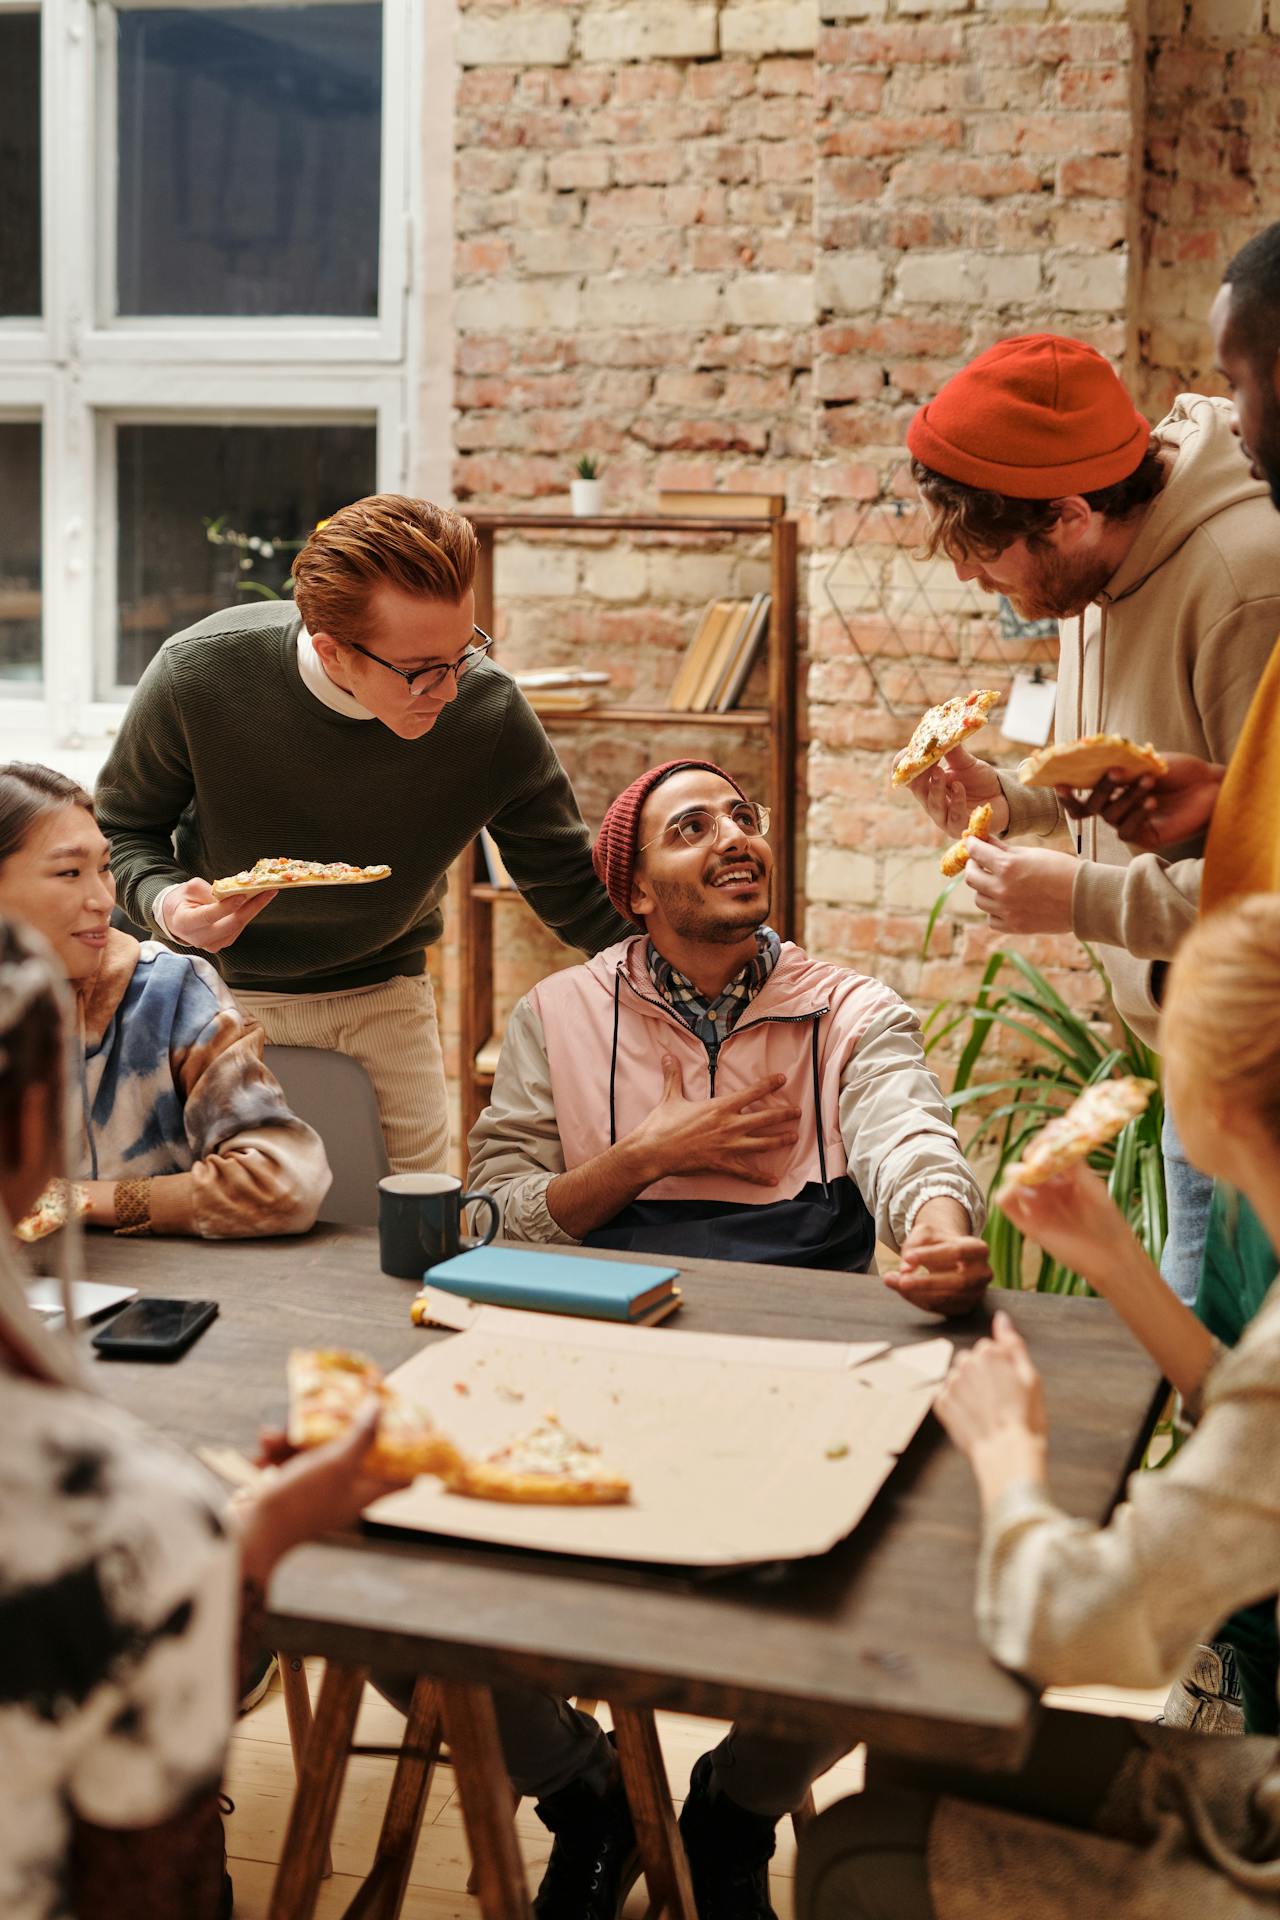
(174, 1089)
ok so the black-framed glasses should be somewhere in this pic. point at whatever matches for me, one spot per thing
(700, 827)
(426, 679)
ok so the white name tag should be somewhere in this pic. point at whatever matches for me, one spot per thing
(1028, 718)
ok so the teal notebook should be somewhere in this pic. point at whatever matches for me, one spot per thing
(555, 1283)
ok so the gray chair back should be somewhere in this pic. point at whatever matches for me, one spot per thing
(334, 1094)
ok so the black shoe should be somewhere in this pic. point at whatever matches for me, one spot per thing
(594, 1862)
(729, 1852)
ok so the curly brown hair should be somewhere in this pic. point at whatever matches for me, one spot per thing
(972, 524)
(386, 540)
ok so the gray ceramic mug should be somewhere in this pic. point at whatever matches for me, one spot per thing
(420, 1221)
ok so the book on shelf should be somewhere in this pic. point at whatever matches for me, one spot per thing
(553, 678)
(692, 669)
(696, 504)
(748, 641)
(494, 865)
(563, 699)
(703, 697)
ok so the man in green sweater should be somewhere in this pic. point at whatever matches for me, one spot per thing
(360, 723)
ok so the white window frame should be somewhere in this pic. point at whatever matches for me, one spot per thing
(83, 370)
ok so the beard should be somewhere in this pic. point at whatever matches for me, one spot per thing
(687, 914)
(1063, 588)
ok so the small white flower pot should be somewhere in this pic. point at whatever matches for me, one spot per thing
(588, 497)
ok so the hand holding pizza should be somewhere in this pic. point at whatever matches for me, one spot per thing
(1074, 1218)
(197, 919)
(1157, 810)
(1022, 889)
(951, 789)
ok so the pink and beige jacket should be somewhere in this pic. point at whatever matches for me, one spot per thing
(581, 1067)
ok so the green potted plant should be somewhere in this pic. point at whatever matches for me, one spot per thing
(586, 490)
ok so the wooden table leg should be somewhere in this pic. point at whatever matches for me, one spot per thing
(661, 1849)
(484, 1789)
(297, 1711)
(382, 1895)
(315, 1801)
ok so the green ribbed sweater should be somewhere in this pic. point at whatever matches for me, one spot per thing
(224, 757)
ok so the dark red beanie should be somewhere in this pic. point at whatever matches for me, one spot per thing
(614, 853)
(1033, 418)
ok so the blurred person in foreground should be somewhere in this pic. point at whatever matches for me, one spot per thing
(1112, 1816)
(132, 1593)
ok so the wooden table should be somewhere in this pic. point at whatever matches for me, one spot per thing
(875, 1639)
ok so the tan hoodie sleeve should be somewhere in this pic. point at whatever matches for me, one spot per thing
(1032, 810)
(896, 1126)
(514, 1147)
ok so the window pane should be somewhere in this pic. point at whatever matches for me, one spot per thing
(249, 150)
(20, 164)
(19, 551)
(178, 485)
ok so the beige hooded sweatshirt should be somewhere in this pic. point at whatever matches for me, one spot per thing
(1171, 651)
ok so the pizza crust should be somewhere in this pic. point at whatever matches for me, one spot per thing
(545, 1467)
(942, 728)
(328, 1388)
(1096, 1116)
(260, 878)
(61, 1201)
(956, 858)
(1082, 763)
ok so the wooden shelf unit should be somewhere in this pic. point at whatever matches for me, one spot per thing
(478, 901)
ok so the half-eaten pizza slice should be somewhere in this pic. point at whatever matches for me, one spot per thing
(942, 728)
(328, 1389)
(545, 1467)
(956, 858)
(281, 872)
(62, 1200)
(1082, 763)
(1095, 1117)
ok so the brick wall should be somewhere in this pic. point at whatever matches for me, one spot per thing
(735, 243)
(1212, 175)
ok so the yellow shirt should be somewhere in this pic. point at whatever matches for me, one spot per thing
(1243, 851)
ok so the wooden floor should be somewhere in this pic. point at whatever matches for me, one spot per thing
(260, 1782)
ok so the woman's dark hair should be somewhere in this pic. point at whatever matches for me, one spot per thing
(971, 524)
(27, 791)
(31, 1034)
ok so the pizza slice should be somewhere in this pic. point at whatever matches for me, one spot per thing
(328, 1389)
(545, 1467)
(282, 872)
(956, 858)
(1095, 1117)
(62, 1200)
(942, 728)
(1082, 763)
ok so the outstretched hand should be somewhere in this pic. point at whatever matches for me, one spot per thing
(993, 1394)
(944, 1267)
(1156, 810)
(318, 1490)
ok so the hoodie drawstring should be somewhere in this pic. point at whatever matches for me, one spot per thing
(613, 1060)
(1077, 832)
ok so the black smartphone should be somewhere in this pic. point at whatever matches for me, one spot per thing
(155, 1329)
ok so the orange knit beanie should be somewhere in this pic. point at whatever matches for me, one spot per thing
(1033, 418)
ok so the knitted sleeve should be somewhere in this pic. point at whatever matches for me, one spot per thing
(142, 791)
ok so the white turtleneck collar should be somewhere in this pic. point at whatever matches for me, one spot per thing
(317, 681)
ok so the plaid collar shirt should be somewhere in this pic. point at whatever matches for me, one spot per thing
(714, 1020)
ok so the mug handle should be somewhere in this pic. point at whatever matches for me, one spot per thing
(478, 1199)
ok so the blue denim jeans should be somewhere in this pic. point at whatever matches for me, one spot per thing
(1188, 1192)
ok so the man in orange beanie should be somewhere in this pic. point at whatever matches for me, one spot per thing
(1155, 550)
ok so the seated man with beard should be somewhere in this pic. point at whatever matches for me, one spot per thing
(705, 1088)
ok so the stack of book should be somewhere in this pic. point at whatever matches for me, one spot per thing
(720, 656)
(559, 1283)
(561, 689)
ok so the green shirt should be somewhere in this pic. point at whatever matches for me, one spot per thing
(225, 757)
(1238, 1267)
